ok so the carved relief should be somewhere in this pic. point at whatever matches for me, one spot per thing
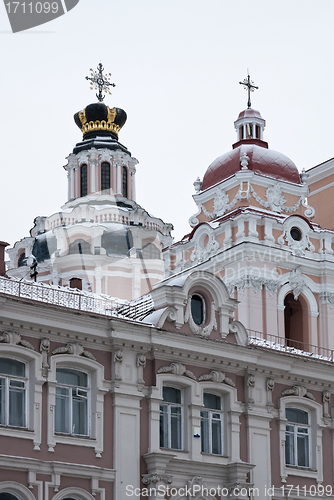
(177, 369)
(15, 339)
(297, 247)
(76, 349)
(216, 376)
(198, 329)
(200, 254)
(297, 282)
(326, 399)
(156, 478)
(298, 390)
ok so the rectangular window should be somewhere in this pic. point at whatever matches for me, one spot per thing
(212, 425)
(71, 416)
(12, 393)
(171, 419)
(297, 438)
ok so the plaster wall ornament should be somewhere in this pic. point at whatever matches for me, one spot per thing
(118, 356)
(141, 363)
(250, 380)
(15, 339)
(156, 478)
(106, 155)
(297, 282)
(205, 331)
(326, 399)
(197, 185)
(276, 201)
(304, 176)
(44, 348)
(82, 158)
(298, 248)
(177, 369)
(298, 390)
(240, 332)
(200, 254)
(221, 202)
(271, 285)
(216, 376)
(193, 221)
(75, 349)
(244, 160)
(270, 384)
(327, 298)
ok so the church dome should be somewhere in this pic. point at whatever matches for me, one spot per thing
(252, 151)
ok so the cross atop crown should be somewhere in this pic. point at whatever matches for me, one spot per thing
(100, 82)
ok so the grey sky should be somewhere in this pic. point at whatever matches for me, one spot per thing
(176, 66)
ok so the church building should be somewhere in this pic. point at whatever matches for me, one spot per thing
(133, 366)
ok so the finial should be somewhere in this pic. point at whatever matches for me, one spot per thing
(248, 85)
(99, 81)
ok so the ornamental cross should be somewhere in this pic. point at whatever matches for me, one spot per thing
(249, 85)
(100, 82)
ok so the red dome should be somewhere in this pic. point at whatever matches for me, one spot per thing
(261, 160)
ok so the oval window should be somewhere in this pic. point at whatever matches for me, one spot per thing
(296, 233)
(197, 309)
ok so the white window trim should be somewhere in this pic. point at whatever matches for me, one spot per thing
(169, 422)
(222, 419)
(314, 410)
(16, 489)
(193, 404)
(34, 383)
(97, 392)
(88, 391)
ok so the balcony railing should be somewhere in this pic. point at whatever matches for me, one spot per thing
(75, 299)
(295, 347)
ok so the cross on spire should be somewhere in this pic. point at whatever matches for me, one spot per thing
(248, 85)
(99, 81)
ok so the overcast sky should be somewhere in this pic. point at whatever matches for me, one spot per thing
(176, 65)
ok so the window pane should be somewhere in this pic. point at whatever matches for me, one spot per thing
(83, 180)
(171, 395)
(12, 367)
(216, 437)
(125, 183)
(176, 428)
(212, 401)
(105, 176)
(289, 449)
(16, 404)
(2, 402)
(62, 417)
(297, 416)
(302, 450)
(197, 309)
(79, 415)
(205, 432)
(71, 377)
(163, 426)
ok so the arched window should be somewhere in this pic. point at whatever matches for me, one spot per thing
(150, 251)
(79, 246)
(171, 419)
(197, 309)
(296, 322)
(105, 176)
(12, 393)
(8, 496)
(124, 182)
(212, 425)
(83, 180)
(22, 260)
(76, 283)
(71, 416)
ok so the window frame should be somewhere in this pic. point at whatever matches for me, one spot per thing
(125, 178)
(105, 174)
(169, 406)
(295, 433)
(8, 378)
(33, 400)
(83, 180)
(98, 389)
(314, 410)
(71, 402)
(221, 419)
